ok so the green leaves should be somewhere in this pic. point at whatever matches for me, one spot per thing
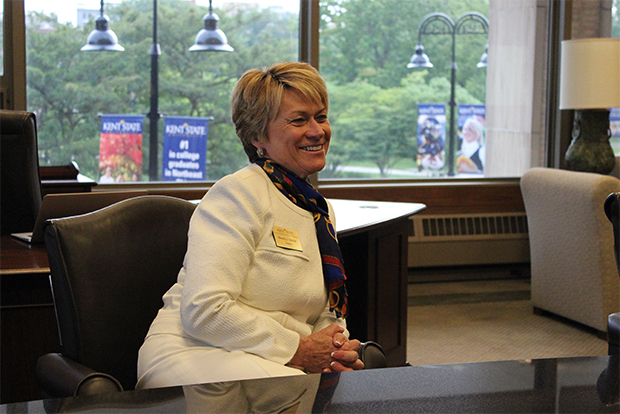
(365, 47)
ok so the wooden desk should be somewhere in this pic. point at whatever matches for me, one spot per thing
(80, 185)
(27, 319)
(17, 257)
(64, 179)
(373, 238)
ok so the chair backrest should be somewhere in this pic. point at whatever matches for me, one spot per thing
(572, 259)
(109, 270)
(19, 176)
(612, 210)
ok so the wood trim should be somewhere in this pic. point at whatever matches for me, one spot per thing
(440, 198)
(13, 82)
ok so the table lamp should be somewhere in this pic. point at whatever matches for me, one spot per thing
(590, 84)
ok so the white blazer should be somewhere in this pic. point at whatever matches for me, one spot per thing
(239, 289)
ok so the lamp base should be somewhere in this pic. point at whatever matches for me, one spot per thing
(590, 150)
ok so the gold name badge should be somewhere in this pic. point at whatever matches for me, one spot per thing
(287, 239)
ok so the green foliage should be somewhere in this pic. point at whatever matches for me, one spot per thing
(373, 40)
(380, 125)
(68, 88)
(365, 48)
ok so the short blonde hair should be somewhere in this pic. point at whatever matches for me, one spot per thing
(257, 96)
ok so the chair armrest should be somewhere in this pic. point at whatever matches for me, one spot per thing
(372, 355)
(59, 376)
(613, 329)
(608, 383)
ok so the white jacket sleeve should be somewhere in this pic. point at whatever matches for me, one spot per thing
(327, 318)
(223, 236)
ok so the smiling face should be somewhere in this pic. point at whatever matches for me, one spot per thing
(298, 137)
(472, 130)
(469, 133)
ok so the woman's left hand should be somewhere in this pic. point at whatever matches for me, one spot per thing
(345, 358)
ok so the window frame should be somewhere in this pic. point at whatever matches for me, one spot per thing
(558, 132)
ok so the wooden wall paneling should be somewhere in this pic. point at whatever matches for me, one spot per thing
(440, 198)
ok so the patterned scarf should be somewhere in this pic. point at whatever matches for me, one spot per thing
(304, 195)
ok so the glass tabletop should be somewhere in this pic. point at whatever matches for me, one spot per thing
(566, 385)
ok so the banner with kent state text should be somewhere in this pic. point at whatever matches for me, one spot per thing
(185, 149)
(471, 132)
(120, 148)
(614, 126)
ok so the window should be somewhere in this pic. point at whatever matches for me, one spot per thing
(364, 49)
(392, 121)
(1, 40)
(70, 89)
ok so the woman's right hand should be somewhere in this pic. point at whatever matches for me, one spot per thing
(314, 351)
(346, 358)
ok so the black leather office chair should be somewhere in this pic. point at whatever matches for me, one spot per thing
(110, 269)
(19, 177)
(612, 210)
(372, 355)
(608, 384)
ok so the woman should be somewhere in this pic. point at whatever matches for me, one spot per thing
(470, 157)
(251, 299)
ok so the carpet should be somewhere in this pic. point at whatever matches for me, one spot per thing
(489, 324)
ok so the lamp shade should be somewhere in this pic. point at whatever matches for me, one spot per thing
(211, 38)
(590, 74)
(102, 38)
(484, 59)
(419, 59)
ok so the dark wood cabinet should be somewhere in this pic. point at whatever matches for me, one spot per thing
(27, 319)
(376, 265)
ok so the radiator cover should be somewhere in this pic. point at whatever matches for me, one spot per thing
(468, 239)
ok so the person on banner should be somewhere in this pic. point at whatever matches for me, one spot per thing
(262, 289)
(470, 156)
(107, 178)
(430, 145)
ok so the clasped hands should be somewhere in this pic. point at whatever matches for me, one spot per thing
(327, 350)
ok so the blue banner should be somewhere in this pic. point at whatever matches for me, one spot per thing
(473, 111)
(185, 149)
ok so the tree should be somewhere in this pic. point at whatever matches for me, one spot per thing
(365, 47)
(69, 88)
(66, 93)
(373, 40)
(380, 125)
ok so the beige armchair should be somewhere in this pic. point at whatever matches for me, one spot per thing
(574, 271)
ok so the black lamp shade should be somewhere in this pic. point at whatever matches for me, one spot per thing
(419, 59)
(102, 38)
(211, 38)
